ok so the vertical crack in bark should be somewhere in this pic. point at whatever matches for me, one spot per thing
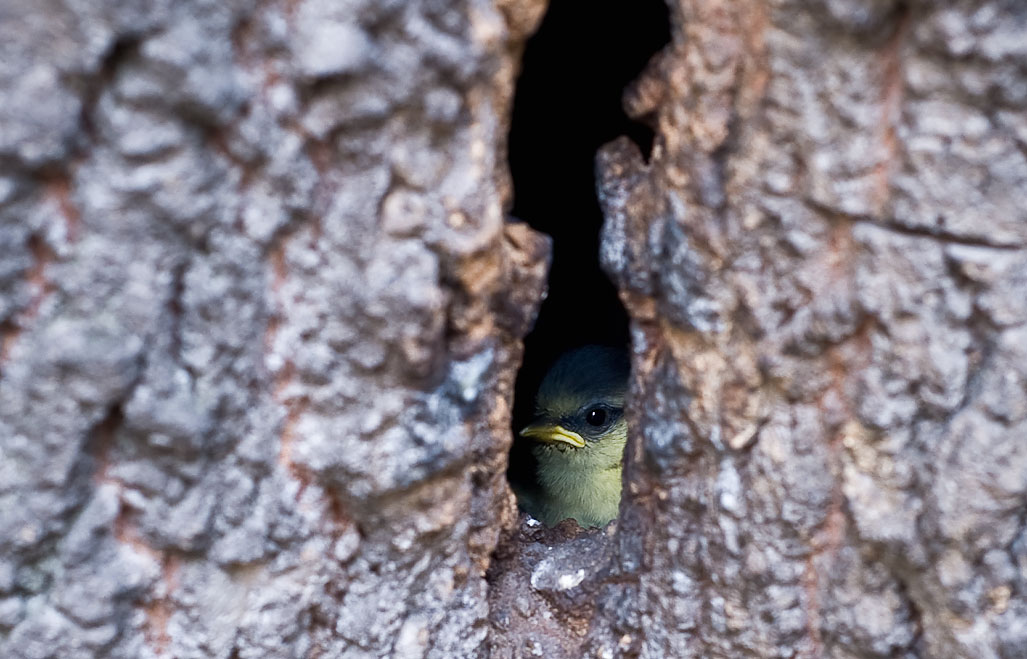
(42, 256)
(176, 311)
(159, 610)
(57, 187)
(837, 361)
(331, 508)
(124, 48)
(891, 105)
(159, 606)
(60, 188)
(101, 443)
(286, 373)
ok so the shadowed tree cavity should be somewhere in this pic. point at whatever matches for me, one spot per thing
(568, 104)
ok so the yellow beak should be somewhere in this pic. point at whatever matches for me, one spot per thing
(547, 432)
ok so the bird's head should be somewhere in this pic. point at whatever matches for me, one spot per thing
(580, 402)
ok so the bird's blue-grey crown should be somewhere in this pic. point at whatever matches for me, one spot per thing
(590, 373)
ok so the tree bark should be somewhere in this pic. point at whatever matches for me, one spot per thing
(260, 315)
(825, 262)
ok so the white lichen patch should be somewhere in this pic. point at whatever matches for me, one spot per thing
(567, 581)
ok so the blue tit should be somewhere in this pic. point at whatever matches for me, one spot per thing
(579, 432)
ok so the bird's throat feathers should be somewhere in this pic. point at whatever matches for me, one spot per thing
(583, 483)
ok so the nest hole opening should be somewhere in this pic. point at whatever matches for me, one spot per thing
(567, 104)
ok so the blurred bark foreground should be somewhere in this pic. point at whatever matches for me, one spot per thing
(260, 316)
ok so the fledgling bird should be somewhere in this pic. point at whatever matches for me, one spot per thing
(579, 432)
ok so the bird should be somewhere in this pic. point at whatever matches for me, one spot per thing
(579, 432)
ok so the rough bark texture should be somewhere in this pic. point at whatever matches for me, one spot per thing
(825, 262)
(260, 315)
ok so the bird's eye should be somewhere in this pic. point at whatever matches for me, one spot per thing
(595, 416)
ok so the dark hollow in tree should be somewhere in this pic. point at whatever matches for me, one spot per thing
(568, 104)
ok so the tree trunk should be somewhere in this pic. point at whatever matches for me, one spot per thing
(261, 315)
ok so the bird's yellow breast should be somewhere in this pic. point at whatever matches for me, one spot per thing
(582, 484)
